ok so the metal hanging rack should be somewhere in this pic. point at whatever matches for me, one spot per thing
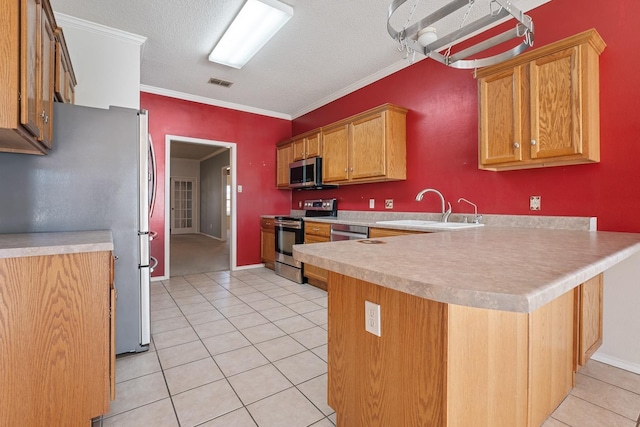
(499, 9)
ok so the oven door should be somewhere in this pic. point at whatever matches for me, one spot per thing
(288, 233)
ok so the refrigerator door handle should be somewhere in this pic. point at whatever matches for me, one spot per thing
(154, 264)
(145, 317)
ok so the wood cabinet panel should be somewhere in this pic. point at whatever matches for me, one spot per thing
(501, 125)
(307, 145)
(465, 365)
(27, 76)
(335, 153)
(368, 147)
(487, 356)
(375, 232)
(47, 72)
(316, 232)
(284, 156)
(268, 243)
(542, 107)
(589, 318)
(57, 345)
(550, 356)
(392, 380)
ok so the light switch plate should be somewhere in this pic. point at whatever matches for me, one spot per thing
(372, 203)
(372, 318)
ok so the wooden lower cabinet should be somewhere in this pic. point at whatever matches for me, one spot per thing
(316, 232)
(438, 364)
(267, 242)
(588, 321)
(57, 339)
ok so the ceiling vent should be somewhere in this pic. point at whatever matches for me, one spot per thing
(219, 82)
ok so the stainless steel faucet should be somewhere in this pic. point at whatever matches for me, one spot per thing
(476, 217)
(445, 214)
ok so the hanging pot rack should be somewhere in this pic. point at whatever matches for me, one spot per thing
(499, 9)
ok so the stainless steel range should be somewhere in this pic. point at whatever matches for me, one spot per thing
(290, 231)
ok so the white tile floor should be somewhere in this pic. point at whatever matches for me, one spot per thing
(249, 348)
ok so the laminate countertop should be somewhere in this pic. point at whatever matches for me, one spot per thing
(40, 244)
(508, 269)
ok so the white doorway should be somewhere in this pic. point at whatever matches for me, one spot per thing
(225, 203)
(184, 205)
(170, 202)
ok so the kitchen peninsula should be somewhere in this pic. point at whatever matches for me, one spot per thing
(482, 327)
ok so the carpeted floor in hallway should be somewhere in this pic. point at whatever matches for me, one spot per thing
(195, 253)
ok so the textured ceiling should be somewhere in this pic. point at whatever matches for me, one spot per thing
(328, 48)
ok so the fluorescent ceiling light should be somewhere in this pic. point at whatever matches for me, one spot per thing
(252, 28)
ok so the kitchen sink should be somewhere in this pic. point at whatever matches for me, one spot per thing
(434, 225)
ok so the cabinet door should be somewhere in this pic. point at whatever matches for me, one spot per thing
(555, 105)
(375, 232)
(590, 318)
(29, 27)
(313, 145)
(335, 154)
(284, 156)
(500, 117)
(299, 149)
(368, 147)
(47, 64)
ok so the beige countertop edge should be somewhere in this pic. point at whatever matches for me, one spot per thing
(42, 244)
(519, 288)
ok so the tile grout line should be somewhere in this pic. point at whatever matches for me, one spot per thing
(252, 344)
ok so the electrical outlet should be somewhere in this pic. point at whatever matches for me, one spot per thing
(300, 204)
(372, 203)
(372, 318)
(388, 204)
(535, 203)
(239, 188)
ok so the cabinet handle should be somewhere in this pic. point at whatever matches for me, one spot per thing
(345, 169)
(351, 169)
(46, 119)
(516, 145)
(533, 142)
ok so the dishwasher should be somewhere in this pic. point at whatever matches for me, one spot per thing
(348, 232)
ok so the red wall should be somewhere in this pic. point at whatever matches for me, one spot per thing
(255, 136)
(442, 135)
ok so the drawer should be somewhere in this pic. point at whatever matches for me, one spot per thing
(317, 229)
(266, 223)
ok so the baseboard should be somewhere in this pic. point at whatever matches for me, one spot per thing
(212, 237)
(618, 363)
(247, 267)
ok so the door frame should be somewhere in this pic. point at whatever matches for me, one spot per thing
(223, 201)
(233, 259)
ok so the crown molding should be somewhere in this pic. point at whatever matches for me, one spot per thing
(210, 101)
(73, 22)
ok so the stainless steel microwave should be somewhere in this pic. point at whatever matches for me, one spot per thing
(306, 173)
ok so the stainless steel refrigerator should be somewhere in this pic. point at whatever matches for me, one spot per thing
(96, 177)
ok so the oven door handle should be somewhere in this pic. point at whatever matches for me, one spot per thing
(288, 224)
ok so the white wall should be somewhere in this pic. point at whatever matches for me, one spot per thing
(621, 328)
(185, 168)
(106, 63)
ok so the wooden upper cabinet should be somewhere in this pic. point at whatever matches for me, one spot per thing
(368, 147)
(284, 156)
(542, 108)
(307, 145)
(335, 153)
(47, 62)
(65, 79)
(27, 76)
(29, 18)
